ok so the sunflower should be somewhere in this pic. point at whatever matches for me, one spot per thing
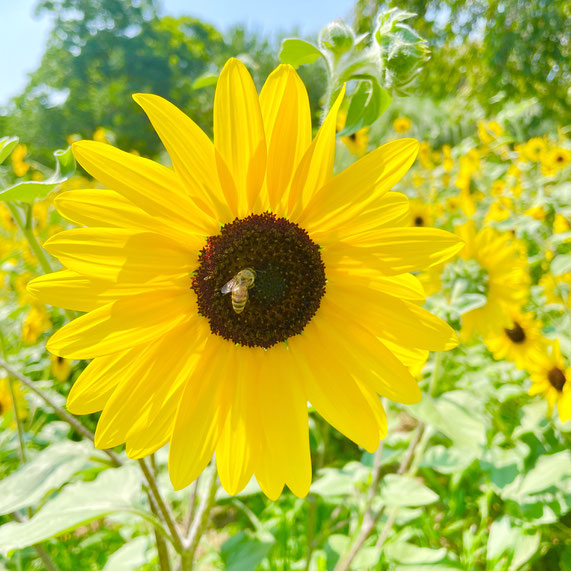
(60, 367)
(534, 149)
(321, 305)
(491, 264)
(6, 408)
(420, 213)
(550, 377)
(402, 125)
(519, 341)
(557, 289)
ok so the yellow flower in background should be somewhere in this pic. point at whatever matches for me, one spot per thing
(489, 131)
(519, 341)
(560, 224)
(6, 405)
(558, 158)
(402, 125)
(534, 149)
(501, 209)
(537, 212)
(100, 135)
(179, 360)
(60, 367)
(557, 289)
(40, 213)
(448, 161)
(73, 138)
(552, 378)
(420, 213)
(425, 155)
(497, 188)
(19, 165)
(36, 323)
(6, 220)
(494, 264)
(356, 142)
(37, 176)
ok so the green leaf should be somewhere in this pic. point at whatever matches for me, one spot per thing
(469, 301)
(561, 265)
(299, 52)
(28, 191)
(367, 104)
(205, 80)
(337, 545)
(409, 554)
(48, 471)
(335, 482)
(7, 145)
(404, 491)
(131, 556)
(114, 490)
(446, 460)
(505, 538)
(245, 550)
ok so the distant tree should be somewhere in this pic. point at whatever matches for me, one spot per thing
(100, 52)
(492, 50)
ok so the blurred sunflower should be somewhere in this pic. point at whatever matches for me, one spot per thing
(332, 315)
(519, 341)
(557, 289)
(19, 165)
(60, 367)
(534, 149)
(402, 125)
(420, 213)
(6, 408)
(492, 264)
(552, 378)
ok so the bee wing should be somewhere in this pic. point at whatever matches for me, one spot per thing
(228, 286)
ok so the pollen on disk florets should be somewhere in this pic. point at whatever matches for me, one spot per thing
(288, 287)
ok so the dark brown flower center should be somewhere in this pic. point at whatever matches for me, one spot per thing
(557, 378)
(419, 221)
(516, 334)
(287, 288)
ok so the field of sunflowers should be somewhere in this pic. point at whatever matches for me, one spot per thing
(336, 338)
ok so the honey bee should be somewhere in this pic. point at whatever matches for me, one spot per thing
(239, 286)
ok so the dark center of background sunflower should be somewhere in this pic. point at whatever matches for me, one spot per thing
(287, 290)
(516, 334)
(557, 378)
(419, 221)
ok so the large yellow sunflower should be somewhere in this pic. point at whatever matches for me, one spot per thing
(552, 378)
(332, 315)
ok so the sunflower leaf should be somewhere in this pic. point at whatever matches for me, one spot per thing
(299, 52)
(404, 491)
(7, 145)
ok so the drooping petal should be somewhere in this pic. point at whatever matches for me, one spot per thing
(357, 188)
(316, 166)
(192, 155)
(160, 369)
(202, 412)
(287, 122)
(239, 132)
(238, 449)
(152, 187)
(126, 323)
(284, 423)
(118, 254)
(93, 388)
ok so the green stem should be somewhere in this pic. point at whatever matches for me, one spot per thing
(18, 419)
(42, 553)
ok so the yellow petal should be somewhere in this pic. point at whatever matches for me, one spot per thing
(395, 250)
(99, 379)
(132, 321)
(359, 186)
(287, 122)
(284, 423)
(192, 155)
(239, 446)
(239, 132)
(104, 208)
(390, 318)
(202, 413)
(331, 389)
(152, 187)
(163, 367)
(119, 254)
(270, 481)
(316, 166)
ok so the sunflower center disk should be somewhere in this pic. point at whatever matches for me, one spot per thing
(287, 289)
(557, 378)
(516, 334)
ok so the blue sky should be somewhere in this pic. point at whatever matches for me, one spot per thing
(22, 38)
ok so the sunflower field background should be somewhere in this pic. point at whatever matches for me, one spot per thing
(477, 475)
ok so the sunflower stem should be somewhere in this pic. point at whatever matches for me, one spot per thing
(18, 420)
(200, 520)
(62, 413)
